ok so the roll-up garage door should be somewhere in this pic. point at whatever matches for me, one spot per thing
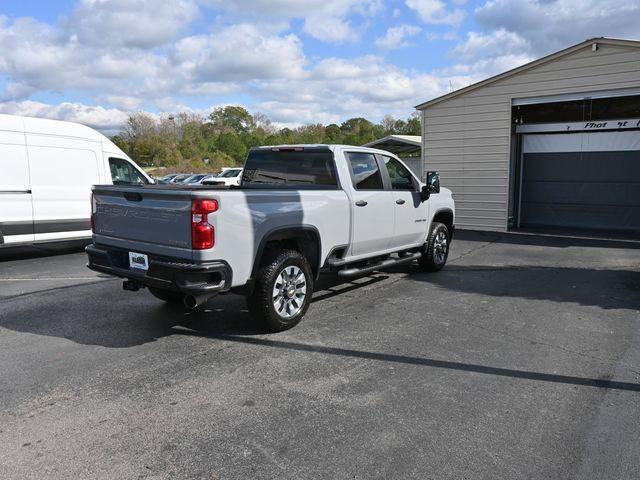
(586, 181)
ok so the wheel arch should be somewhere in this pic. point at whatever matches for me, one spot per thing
(446, 216)
(305, 239)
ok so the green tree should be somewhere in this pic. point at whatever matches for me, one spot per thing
(231, 118)
(230, 144)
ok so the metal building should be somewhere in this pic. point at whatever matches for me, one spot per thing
(554, 144)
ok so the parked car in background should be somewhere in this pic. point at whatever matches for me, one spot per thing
(195, 179)
(47, 168)
(298, 210)
(180, 177)
(167, 178)
(230, 176)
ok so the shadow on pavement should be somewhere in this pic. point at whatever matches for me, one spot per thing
(547, 240)
(84, 314)
(42, 250)
(608, 289)
(421, 361)
(131, 322)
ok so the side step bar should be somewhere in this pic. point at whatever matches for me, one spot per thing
(353, 272)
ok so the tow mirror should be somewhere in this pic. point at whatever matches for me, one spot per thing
(433, 182)
(432, 186)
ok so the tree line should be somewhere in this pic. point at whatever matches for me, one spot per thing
(182, 142)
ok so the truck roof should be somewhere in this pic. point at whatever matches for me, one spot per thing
(329, 146)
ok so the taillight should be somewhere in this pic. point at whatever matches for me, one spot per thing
(92, 212)
(202, 233)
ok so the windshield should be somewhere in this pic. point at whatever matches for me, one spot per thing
(195, 178)
(180, 178)
(230, 173)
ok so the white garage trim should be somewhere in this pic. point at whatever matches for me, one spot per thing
(581, 142)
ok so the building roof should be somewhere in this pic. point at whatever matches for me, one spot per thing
(535, 63)
(398, 144)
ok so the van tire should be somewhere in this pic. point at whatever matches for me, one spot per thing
(433, 257)
(169, 296)
(274, 270)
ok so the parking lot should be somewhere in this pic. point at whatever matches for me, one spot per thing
(521, 359)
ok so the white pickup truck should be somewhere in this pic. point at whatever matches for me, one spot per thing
(298, 210)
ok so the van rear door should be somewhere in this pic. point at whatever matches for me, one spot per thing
(62, 173)
(16, 214)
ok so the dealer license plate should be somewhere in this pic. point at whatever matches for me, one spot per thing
(139, 261)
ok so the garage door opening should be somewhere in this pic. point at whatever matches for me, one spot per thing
(588, 181)
(577, 165)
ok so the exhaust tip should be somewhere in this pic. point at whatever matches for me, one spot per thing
(190, 301)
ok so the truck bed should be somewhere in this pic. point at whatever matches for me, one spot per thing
(156, 219)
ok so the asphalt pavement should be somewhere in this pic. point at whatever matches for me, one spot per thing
(521, 359)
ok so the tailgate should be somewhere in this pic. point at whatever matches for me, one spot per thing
(143, 214)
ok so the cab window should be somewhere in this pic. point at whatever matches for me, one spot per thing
(366, 174)
(400, 176)
(124, 173)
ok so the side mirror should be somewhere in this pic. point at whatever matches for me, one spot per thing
(433, 182)
(424, 193)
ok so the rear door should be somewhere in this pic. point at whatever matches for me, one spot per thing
(373, 208)
(62, 173)
(410, 213)
(16, 214)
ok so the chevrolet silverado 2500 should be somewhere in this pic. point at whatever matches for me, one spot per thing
(298, 210)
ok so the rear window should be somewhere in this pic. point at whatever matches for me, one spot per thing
(290, 169)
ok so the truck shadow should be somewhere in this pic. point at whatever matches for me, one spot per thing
(100, 313)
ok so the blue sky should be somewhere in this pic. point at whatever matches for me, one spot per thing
(297, 61)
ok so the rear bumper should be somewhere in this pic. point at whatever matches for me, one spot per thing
(166, 273)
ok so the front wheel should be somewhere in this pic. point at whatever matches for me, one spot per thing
(282, 291)
(436, 250)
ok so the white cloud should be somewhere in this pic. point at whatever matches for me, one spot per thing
(498, 43)
(553, 25)
(365, 86)
(396, 37)
(437, 12)
(330, 29)
(131, 23)
(107, 120)
(324, 20)
(239, 53)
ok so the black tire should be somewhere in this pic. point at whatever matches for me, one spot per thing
(261, 301)
(169, 296)
(433, 258)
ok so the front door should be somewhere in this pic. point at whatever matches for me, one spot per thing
(373, 206)
(411, 214)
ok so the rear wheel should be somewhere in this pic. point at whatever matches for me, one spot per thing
(169, 296)
(282, 291)
(436, 250)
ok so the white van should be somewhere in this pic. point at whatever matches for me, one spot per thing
(47, 168)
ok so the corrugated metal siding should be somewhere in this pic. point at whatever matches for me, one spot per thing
(468, 138)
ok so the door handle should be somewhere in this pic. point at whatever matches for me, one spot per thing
(361, 203)
(400, 201)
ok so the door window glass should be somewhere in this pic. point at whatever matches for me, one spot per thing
(366, 174)
(401, 178)
(123, 173)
